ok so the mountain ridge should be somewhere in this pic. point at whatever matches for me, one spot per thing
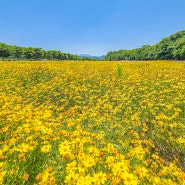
(102, 57)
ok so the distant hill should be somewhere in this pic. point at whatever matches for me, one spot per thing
(92, 57)
(169, 48)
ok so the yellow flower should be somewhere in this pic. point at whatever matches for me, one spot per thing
(45, 148)
(12, 171)
(89, 161)
(82, 168)
(71, 178)
(2, 174)
(110, 160)
(2, 164)
(64, 148)
(25, 148)
(71, 167)
(100, 178)
(85, 180)
(25, 176)
(141, 172)
(21, 157)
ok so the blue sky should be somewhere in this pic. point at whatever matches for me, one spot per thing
(89, 26)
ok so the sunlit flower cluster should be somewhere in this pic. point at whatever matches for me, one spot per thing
(90, 123)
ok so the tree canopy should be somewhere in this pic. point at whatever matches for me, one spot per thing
(29, 53)
(169, 48)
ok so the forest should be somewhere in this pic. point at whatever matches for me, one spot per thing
(169, 48)
(9, 52)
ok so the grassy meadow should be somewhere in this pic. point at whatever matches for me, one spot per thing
(83, 123)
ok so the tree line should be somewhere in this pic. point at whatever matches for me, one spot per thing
(169, 48)
(8, 52)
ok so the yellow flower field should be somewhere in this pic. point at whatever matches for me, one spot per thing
(92, 123)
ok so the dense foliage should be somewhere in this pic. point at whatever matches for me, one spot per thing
(30, 53)
(170, 48)
(92, 123)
